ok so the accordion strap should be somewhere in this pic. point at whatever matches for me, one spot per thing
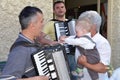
(85, 36)
(25, 43)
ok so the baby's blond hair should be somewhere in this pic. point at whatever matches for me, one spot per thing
(83, 24)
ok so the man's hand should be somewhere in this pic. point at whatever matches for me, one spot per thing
(36, 78)
(82, 60)
(53, 43)
(99, 67)
(62, 38)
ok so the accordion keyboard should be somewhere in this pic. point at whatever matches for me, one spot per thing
(51, 62)
(44, 66)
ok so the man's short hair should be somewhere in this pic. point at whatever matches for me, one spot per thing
(57, 2)
(27, 14)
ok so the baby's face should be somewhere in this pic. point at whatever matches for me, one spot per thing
(79, 33)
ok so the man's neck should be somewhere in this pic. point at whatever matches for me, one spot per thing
(28, 35)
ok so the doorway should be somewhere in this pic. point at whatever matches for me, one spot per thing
(76, 7)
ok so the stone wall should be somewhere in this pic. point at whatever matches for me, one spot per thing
(9, 24)
(114, 30)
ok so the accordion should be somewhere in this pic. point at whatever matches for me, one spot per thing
(66, 28)
(51, 61)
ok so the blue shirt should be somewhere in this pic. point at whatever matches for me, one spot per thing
(19, 61)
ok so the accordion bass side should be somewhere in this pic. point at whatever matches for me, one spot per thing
(51, 61)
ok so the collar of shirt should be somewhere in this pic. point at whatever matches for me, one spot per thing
(21, 35)
(88, 34)
(95, 37)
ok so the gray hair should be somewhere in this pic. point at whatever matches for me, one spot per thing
(93, 17)
(28, 15)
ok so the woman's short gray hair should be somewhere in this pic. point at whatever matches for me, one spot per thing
(93, 17)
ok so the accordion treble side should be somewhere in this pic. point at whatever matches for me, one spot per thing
(51, 61)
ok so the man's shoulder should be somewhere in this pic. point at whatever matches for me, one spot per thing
(48, 25)
(53, 20)
(103, 39)
(20, 42)
(49, 22)
(99, 37)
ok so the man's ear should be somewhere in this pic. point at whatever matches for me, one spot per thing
(31, 25)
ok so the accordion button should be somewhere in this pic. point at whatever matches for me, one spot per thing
(53, 75)
(51, 67)
(49, 61)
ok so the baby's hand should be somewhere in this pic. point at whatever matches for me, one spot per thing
(62, 38)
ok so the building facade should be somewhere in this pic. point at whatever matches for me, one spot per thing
(10, 27)
(9, 23)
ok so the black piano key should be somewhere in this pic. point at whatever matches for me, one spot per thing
(41, 52)
(44, 67)
(43, 64)
(41, 58)
(42, 61)
(41, 55)
(46, 72)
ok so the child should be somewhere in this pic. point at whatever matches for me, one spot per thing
(84, 45)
